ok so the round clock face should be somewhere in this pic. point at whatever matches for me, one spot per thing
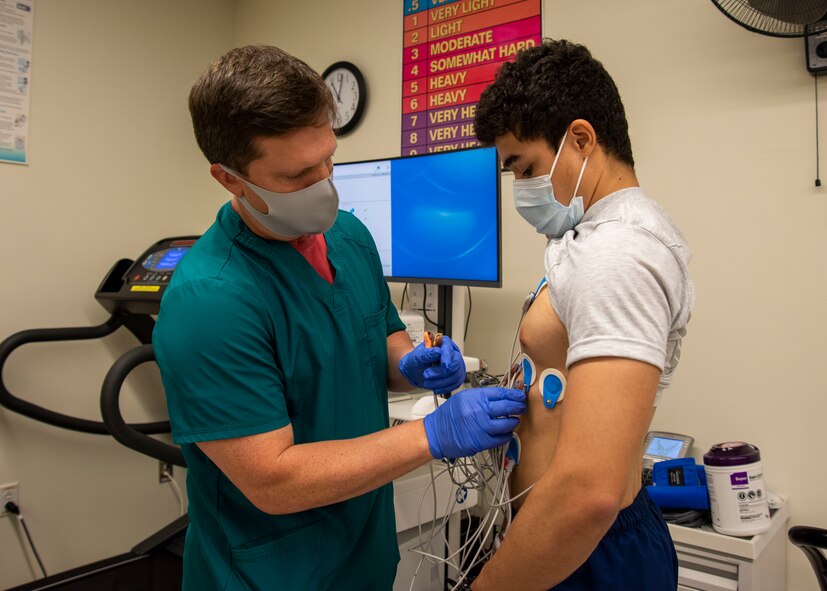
(346, 83)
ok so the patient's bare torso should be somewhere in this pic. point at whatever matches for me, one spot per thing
(545, 340)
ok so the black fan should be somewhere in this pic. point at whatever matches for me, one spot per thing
(777, 18)
(785, 18)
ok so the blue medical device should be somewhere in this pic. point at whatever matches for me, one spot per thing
(660, 446)
(679, 484)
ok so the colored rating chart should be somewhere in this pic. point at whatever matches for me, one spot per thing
(451, 52)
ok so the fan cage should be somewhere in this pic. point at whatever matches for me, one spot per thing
(747, 16)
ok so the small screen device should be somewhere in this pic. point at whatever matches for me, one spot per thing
(661, 445)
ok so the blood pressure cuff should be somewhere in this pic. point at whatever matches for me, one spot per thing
(680, 472)
(679, 484)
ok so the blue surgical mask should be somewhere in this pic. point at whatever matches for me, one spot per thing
(534, 199)
(311, 210)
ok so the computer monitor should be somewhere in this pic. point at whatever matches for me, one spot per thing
(435, 217)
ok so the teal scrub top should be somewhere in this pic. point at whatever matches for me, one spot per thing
(250, 339)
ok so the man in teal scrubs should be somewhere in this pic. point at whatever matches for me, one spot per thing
(278, 341)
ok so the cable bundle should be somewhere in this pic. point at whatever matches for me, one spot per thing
(487, 473)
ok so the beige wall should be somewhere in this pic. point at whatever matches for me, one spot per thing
(113, 168)
(722, 122)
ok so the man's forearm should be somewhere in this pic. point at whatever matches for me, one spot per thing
(593, 471)
(399, 343)
(316, 474)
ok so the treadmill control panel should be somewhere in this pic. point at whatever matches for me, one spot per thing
(156, 267)
(138, 286)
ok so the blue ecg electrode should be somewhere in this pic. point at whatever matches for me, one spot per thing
(528, 373)
(552, 387)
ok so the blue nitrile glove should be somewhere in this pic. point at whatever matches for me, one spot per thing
(473, 420)
(440, 369)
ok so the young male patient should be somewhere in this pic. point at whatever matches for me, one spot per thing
(610, 319)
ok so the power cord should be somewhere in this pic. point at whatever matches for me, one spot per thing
(818, 176)
(686, 518)
(468, 314)
(175, 489)
(424, 307)
(15, 510)
(481, 379)
(425, 314)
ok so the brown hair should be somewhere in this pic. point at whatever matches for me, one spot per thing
(251, 92)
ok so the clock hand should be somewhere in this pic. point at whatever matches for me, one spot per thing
(336, 92)
(341, 81)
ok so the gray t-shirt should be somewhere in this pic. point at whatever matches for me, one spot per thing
(620, 285)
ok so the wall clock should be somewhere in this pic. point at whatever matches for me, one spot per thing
(349, 93)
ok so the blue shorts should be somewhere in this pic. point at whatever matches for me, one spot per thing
(636, 553)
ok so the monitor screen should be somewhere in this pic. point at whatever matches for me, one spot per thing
(664, 447)
(435, 218)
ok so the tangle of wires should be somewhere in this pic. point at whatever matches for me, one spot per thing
(487, 473)
(484, 473)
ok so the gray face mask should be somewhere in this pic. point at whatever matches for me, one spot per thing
(311, 210)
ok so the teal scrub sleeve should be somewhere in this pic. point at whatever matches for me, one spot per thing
(217, 363)
(392, 321)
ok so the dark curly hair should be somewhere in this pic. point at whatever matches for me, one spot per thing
(252, 92)
(545, 89)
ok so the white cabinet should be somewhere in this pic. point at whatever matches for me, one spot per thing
(709, 561)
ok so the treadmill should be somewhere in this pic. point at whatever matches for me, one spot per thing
(131, 292)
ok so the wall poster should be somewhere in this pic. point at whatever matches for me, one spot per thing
(15, 79)
(451, 52)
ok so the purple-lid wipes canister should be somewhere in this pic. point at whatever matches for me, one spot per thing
(737, 495)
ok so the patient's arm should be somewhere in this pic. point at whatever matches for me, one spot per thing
(593, 473)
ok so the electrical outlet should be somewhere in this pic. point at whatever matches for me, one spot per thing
(431, 298)
(415, 293)
(8, 492)
(420, 298)
(164, 472)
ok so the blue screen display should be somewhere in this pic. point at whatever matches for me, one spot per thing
(435, 218)
(170, 259)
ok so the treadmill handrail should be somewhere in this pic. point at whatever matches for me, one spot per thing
(50, 417)
(111, 409)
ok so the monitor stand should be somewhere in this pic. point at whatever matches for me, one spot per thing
(445, 305)
(451, 313)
